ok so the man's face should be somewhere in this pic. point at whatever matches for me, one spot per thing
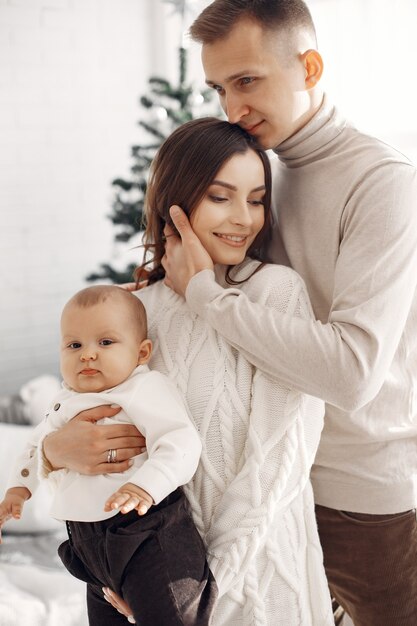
(260, 82)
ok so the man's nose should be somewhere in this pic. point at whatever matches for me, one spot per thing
(235, 108)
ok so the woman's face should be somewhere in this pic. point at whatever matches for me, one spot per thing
(231, 213)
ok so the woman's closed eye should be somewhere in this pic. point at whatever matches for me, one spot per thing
(216, 198)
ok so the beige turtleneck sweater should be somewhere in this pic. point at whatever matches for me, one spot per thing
(347, 210)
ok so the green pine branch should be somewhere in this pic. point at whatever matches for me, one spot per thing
(129, 198)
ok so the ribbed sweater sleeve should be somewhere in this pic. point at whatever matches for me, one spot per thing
(345, 360)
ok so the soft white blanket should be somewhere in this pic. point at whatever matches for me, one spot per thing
(36, 596)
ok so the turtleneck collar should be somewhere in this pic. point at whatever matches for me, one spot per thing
(313, 138)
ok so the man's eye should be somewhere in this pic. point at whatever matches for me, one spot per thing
(106, 342)
(218, 88)
(74, 345)
(246, 80)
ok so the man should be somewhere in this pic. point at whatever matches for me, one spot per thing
(346, 209)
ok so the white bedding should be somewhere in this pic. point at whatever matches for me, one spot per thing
(38, 597)
(35, 588)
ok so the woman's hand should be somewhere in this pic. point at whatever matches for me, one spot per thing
(183, 257)
(119, 604)
(83, 446)
(134, 286)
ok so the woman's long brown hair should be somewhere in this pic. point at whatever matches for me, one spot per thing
(182, 171)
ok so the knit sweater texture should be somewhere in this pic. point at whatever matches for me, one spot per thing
(251, 497)
(346, 206)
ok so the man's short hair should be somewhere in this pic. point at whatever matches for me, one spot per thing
(217, 20)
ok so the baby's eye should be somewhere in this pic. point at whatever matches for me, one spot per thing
(74, 345)
(106, 342)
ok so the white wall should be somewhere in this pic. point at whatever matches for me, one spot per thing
(368, 48)
(71, 72)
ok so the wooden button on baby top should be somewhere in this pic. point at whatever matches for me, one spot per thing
(24, 472)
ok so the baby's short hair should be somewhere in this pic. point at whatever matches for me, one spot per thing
(98, 294)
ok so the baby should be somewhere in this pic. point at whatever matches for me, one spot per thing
(104, 356)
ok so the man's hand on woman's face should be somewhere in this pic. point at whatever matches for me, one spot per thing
(83, 446)
(184, 257)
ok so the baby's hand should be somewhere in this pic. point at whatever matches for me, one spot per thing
(12, 505)
(129, 497)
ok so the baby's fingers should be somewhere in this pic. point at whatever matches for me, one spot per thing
(17, 511)
(5, 514)
(142, 507)
(130, 504)
(117, 501)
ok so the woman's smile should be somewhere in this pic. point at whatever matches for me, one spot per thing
(232, 240)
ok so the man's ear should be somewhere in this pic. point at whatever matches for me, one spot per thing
(145, 351)
(313, 64)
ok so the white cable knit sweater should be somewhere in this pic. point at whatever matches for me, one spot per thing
(251, 497)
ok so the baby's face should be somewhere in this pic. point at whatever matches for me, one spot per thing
(99, 346)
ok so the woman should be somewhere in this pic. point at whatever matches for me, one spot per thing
(251, 498)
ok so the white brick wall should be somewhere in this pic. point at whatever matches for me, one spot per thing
(71, 72)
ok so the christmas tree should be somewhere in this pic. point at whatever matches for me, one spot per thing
(168, 106)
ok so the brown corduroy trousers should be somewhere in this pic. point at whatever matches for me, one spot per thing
(371, 565)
